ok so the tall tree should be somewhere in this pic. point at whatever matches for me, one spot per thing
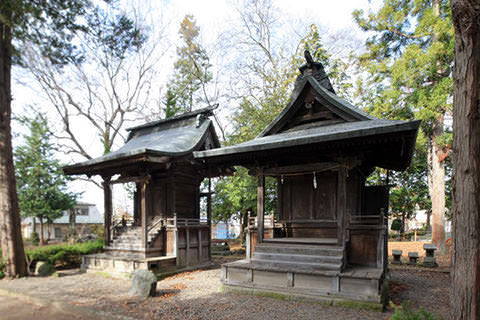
(409, 64)
(191, 71)
(49, 25)
(117, 92)
(465, 284)
(41, 184)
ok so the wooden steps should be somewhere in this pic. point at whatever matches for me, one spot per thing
(298, 257)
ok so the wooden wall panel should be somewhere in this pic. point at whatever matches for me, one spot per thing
(362, 248)
(159, 199)
(300, 200)
(302, 189)
(325, 196)
(186, 200)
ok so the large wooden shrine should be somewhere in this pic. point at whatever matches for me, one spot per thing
(167, 230)
(329, 239)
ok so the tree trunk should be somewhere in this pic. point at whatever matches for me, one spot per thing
(428, 228)
(10, 230)
(42, 239)
(437, 191)
(465, 278)
(437, 167)
(402, 229)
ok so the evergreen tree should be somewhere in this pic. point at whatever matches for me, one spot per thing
(191, 70)
(41, 184)
(465, 287)
(408, 63)
(50, 26)
(171, 107)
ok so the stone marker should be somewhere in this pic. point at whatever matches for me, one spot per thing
(429, 260)
(396, 256)
(413, 256)
(44, 269)
(144, 284)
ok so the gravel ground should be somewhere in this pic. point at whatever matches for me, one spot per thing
(197, 295)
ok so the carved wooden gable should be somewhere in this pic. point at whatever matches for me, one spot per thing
(314, 106)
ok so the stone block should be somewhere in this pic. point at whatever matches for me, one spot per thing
(413, 257)
(44, 269)
(396, 256)
(144, 284)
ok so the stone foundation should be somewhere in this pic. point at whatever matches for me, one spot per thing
(359, 284)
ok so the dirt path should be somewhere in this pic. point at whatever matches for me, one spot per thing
(197, 295)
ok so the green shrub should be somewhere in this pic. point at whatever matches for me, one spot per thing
(403, 312)
(2, 266)
(65, 254)
(396, 225)
(35, 239)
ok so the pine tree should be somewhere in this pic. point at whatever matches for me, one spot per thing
(409, 65)
(41, 184)
(191, 70)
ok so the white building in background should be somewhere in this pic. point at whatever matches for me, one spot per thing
(86, 216)
(419, 221)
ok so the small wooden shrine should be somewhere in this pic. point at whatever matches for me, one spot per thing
(329, 240)
(167, 230)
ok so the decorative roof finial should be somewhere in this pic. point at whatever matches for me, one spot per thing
(309, 58)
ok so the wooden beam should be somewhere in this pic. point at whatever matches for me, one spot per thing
(137, 179)
(301, 169)
(107, 200)
(260, 205)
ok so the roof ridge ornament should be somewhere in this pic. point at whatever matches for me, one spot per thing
(316, 70)
(309, 58)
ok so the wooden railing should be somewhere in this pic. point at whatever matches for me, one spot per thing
(182, 222)
(268, 221)
(376, 221)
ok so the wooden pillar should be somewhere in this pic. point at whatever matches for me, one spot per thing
(107, 200)
(341, 205)
(209, 217)
(260, 205)
(136, 204)
(144, 214)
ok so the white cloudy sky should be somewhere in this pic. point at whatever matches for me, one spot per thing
(213, 17)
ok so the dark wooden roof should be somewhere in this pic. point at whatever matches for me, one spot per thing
(315, 118)
(157, 142)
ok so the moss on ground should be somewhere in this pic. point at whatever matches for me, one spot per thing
(341, 302)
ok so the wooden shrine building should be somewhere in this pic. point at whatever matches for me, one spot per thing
(167, 230)
(329, 239)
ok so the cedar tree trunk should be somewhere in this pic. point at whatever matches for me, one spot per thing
(10, 231)
(437, 186)
(437, 191)
(465, 278)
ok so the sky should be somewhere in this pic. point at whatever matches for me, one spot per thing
(214, 18)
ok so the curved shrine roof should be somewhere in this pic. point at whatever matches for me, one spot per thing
(173, 137)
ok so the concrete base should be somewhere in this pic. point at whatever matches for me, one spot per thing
(357, 284)
(124, 266)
